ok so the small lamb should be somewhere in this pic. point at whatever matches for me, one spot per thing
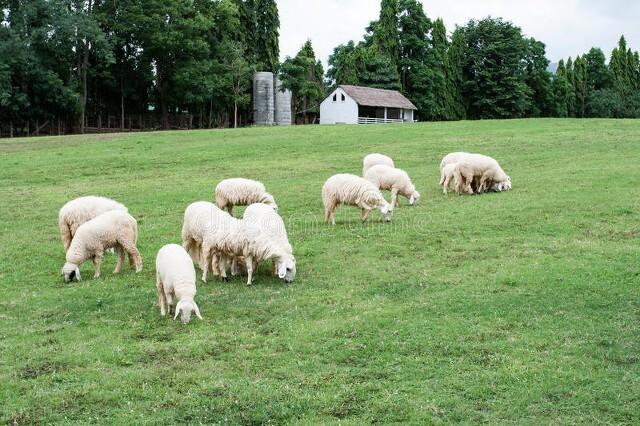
(114, 229)
(355, 191)
(242, 192)
(374, 160)
(395, 180)
(176, 277)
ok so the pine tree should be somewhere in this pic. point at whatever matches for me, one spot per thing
(571, 94)
(580, 85)
(538, 80)
(386, 40)
(456, 109)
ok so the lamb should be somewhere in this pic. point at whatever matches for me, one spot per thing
(242, 192)
(202, 218)
(272, 225)
(356, 191)
(374, 160)
(78, 211)
(447, 175)
(176, 277)
(113, 229)
(396, 180)
(245, 239)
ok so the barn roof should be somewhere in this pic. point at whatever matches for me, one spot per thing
(367, 96)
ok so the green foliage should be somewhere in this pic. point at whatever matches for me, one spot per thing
(304, 76)
(512, 308)
(538, 80)
(494, 78)
(386, 40)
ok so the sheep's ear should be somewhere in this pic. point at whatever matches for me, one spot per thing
(78, 273)
(195, 307)
(282, 270)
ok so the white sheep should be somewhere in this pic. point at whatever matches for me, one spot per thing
(245, 239)
(374, 160)
(395, 180)
(272, 225)
(202, 218)
(447, 175)
(78, 211)
(355, 191)
(176, 277)
(486, 170)
(242, 192)
(114, 229)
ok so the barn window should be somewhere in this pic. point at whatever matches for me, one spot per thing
(335, 98)
(342, 97)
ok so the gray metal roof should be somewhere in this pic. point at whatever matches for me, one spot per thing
(367, 96)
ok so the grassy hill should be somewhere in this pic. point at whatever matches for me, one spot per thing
(518, 307)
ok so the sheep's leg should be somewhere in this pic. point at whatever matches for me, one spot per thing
(120, 262)
(364, 214)
(222, 267)
(205, 261)
(394, 197)
(161, 300)
(169, 298)
(249, 262)
(97, 259)
(230, 209)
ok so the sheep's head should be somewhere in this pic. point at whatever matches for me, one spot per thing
(387, 211)
(413, 199)
(270, 201)
(184, 308)
(70, 271)
(286, 268)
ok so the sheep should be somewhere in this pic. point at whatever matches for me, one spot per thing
(374, 160)
(487, 171)
(78, 211)
(245, 239)
(113, 229)
(356, 191)
(270, 222)
(447, 175)
(242, 192)
(200, 219)
(176, 277)
(396, 180)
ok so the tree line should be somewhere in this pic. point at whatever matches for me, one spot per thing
(69, 64)
(66, 61)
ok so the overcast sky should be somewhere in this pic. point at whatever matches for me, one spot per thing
(567, 27)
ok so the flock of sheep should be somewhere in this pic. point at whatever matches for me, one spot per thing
(216, 241)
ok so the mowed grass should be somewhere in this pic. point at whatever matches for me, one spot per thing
(519, 307)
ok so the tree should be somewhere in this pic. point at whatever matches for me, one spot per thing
(538, 80)
(455, 75)
(304, 76)
(493, 74)
(386, 40)
(343, 68)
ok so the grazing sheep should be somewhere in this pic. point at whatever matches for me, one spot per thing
(395, 180)
(176, 277)
(114, 229)
(245, 239)
(487, 172)
(355, 191)
(242, 192)
(78, 211)
(374, 160)
(200, 219)
(272, 225)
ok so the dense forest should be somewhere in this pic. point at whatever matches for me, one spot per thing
(89, 65)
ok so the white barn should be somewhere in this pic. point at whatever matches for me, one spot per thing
(364, 105)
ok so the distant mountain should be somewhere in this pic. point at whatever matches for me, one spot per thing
(553, 67)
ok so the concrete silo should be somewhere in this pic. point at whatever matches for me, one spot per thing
(263, 99)
(282, 105)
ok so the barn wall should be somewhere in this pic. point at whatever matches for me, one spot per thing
(345, 112)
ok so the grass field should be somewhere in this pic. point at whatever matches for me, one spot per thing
(519, 307)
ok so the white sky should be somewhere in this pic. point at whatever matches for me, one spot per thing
(567, 27)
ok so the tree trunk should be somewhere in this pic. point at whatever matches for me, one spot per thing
(235, 115)
(164, 108)
(100, 123)
(10, 129)
(121, 103)
(211, 113)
